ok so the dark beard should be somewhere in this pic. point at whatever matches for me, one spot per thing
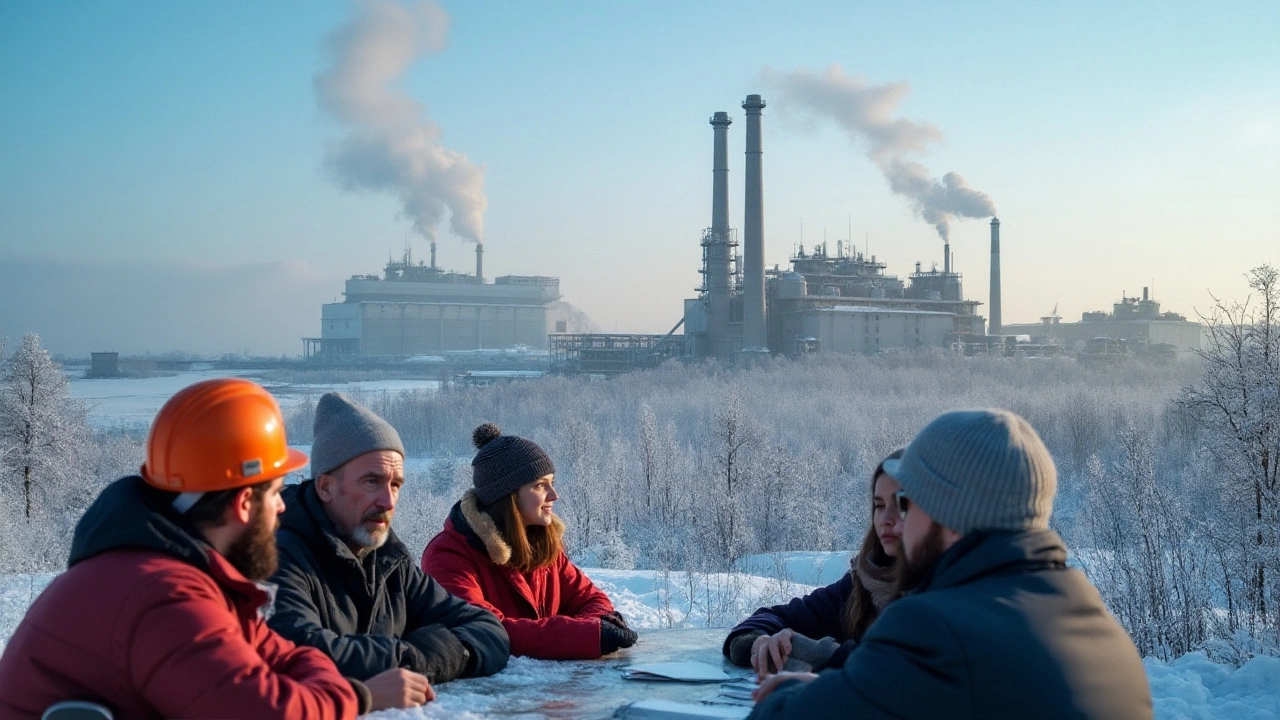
(254, 553)
(911, 572)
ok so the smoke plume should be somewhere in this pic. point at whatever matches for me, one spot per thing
(391, 144)
(866, 113)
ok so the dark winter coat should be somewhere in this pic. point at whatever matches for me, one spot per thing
(1002, 628)
(154, 623)
(378, 613)
(551, 613)
(816, 615)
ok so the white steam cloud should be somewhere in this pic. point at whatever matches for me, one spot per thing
(391, 144)
(866, 113)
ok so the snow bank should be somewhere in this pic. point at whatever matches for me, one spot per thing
(1193, 687)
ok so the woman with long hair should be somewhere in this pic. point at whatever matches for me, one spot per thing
(502, 549)
(808, 633)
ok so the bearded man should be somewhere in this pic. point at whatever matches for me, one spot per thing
(992, 623)
(349, 587)
(160, 614)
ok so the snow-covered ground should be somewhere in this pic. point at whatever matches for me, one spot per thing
(1190, 688)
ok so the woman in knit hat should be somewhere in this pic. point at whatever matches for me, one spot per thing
(501, 549)
(819, 629)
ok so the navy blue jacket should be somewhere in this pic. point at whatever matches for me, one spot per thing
(816, 615)
(1001, 628)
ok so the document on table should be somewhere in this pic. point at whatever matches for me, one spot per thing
(736, 693)
(690, 672)
(668, 710)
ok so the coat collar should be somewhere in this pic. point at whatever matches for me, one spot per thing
(480, 529)
(982, 553)
(305, 516)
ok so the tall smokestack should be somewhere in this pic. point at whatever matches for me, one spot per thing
(480, 260)
(718, 250)
(996, 326)
(946, 257)
(754, 333)
(433, 254)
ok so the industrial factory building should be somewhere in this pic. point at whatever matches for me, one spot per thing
(841, 302)
(1136, 321)
(420, 309)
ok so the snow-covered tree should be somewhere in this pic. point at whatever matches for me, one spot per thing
(42, 430)
(1238, 403)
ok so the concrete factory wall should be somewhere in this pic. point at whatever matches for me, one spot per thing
(1183, 335)
(432, 328)
(509, 290)
(869, 330)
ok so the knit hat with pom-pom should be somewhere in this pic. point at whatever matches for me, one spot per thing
(504, 463)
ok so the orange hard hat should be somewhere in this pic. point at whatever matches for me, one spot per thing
(218, 435)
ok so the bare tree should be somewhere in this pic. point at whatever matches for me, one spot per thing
(1238, 402)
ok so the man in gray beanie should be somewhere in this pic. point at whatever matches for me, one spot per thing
(992, 623)
(348, 586)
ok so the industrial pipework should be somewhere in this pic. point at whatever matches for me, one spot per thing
(754, 333)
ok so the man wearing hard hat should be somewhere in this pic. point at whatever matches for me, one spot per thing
(158, 614)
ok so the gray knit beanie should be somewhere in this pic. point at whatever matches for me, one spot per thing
(979, 470)
(345, 430)
(504, 463)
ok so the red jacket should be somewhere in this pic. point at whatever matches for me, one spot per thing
(152, 635)
(551, 613)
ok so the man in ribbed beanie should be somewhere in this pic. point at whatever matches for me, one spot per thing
(992, 623)
(348, 586)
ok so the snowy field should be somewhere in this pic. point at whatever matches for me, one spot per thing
(114, 402)
(1190, 688)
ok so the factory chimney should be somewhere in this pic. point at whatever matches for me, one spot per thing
(754, 334)
(946, 257)
(996, 327)
(433, 254)
(480, 260)
(718, 242)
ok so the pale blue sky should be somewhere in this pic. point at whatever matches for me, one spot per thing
(161, 180)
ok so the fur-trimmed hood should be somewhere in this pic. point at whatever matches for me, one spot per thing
(481, 531)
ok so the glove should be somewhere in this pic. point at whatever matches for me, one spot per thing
(613, 637)
(813, 653)
(740, 648)
(616, 618)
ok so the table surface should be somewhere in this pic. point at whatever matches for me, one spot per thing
(532, 689)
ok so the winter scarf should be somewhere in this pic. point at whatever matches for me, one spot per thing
(877, 579)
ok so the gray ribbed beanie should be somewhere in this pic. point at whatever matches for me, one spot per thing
(505, 462)
(979, 470)
(345, 430)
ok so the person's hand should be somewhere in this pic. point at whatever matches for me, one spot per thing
(612, 637)
(771, 683)
(770, 652)
(399, 688)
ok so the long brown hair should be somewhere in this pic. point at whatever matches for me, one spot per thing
(532, 547)
(860, 609)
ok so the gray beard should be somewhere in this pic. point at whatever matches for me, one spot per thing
(367, 541)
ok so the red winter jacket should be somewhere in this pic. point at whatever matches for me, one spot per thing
(551, 613)
(160, 633)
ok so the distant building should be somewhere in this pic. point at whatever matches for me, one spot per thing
(1138, 322)
(104, 365)
(423, 310)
